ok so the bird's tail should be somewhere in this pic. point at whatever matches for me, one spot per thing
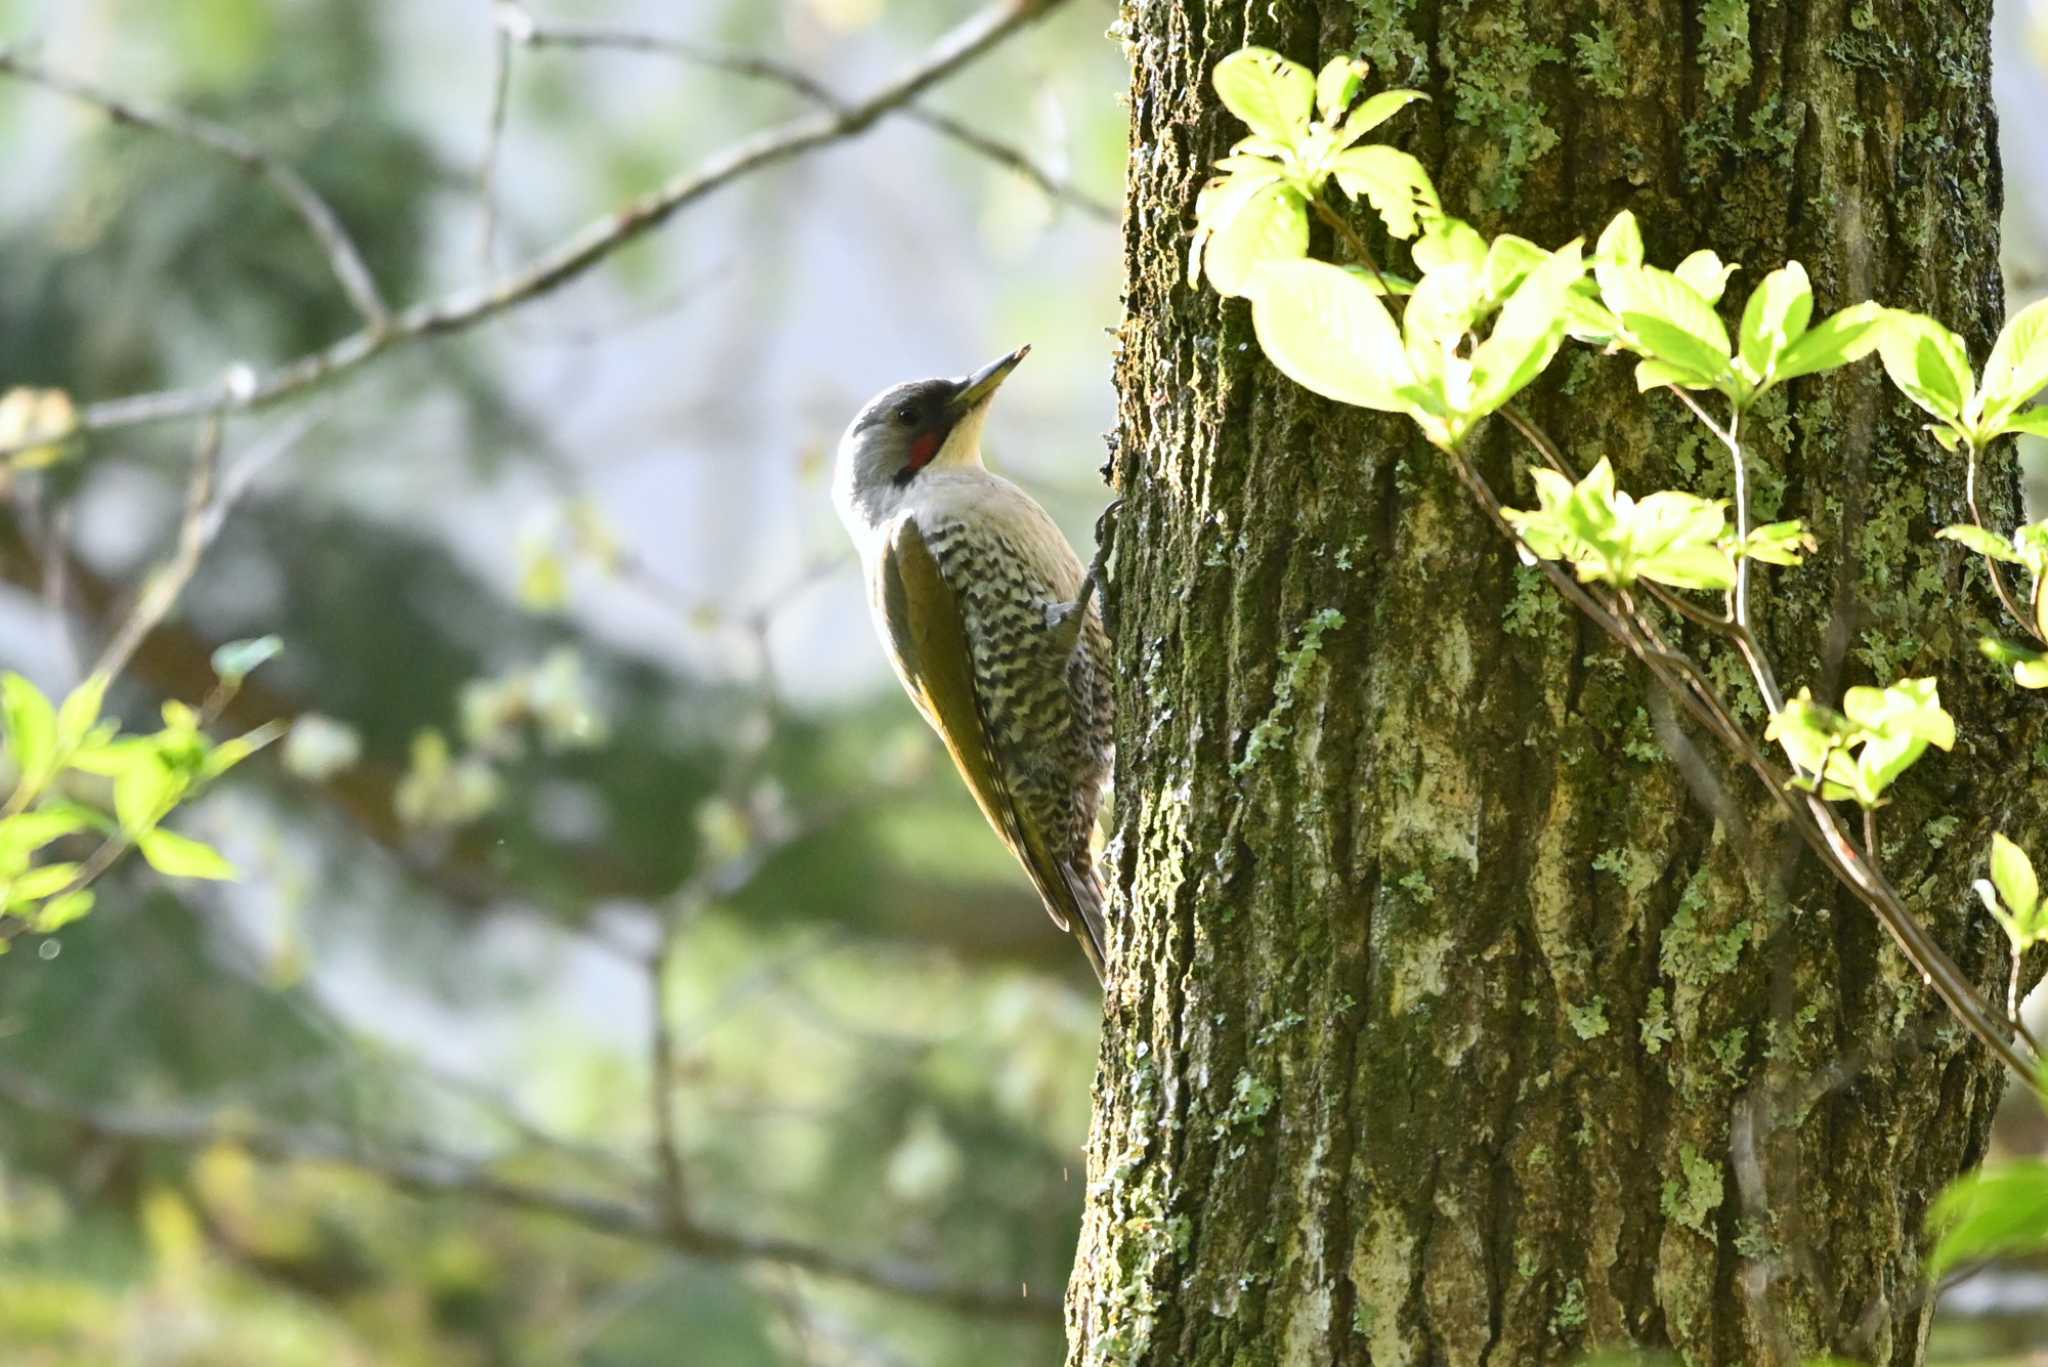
(1089, 927)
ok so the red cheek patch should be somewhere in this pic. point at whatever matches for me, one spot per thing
(923, 449)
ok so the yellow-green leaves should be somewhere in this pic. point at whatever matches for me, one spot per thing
(1392, 182)
(1258, 223)
(1271, 94)
(2018, 368)
(1775, 317)
(1930, 365)
(1531, 324)
(64, 752)
(1670, 537)
(1303, 128)
(1669, 319)
(1847, 336)
(177, 856)
(2028, 547)
(2013, 895)
(2001, 1209)
(1327, 330)
(1861, 751)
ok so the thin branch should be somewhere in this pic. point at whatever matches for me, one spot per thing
(1351, 239)
(460, 310)
(494, 137)
(1745, 639)
(661, 1086)
(423, 1172)
(2026, 620)
(161, 589)
(318, 216)
(749, 66)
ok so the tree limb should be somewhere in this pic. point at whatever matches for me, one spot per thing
(313, 211)
(529, 32)
(460, 310)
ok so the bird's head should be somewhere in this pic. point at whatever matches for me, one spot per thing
(909, 429)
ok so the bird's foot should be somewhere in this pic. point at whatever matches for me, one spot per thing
(1066, 618)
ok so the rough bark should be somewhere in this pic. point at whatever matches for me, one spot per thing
(1466, 1008)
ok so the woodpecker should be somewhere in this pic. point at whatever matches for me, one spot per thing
(980, 605)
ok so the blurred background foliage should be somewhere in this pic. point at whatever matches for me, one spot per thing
(576, 654)
(578, 629)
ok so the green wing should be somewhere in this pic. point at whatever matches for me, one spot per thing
(922, 614)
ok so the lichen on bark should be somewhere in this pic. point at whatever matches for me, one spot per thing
(1468, 1007)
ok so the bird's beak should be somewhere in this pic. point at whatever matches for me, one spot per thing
(985, 381)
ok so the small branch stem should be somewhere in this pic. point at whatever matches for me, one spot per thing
(2005, 595)
(1351, 239)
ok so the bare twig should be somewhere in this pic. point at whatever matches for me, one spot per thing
(427, 1173)
(160, 590)
(750, 66)
(461, 310)
(318, 216)
(494, 137)
(1351, 239)
(2027, 620)
(661, 1083)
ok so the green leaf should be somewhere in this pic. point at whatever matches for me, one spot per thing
(1669, 318)
(1528, 332)
(1660, 374)
(1375, 112)
(1910, 707)
(143, 792)
(2012, 873)
(31, 725)
(177, 856)
(1887, 729)
(1393, 182)
(42, 881)
(1621, 242)
(1981, 541)
(80, 711)
(1927, 363)
(1449, 242)
(1271, 94)
(1775, 317)
(1272, 225)
(2033, 422)
(1841, 338)
(1445, 304)
(1778, 543)
(1337, 86)
(1219, 202)
(2018, 366)
(1707, 274)
(2002, 1208)
(1690, 567)
(2029, 666)
(26, 832)
(60, 912)
(1508, 260)
(1328, 332)
(237, 660)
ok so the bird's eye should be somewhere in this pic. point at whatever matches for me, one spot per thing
(907, 415)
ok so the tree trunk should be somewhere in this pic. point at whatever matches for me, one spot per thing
(1467, 1008)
